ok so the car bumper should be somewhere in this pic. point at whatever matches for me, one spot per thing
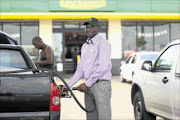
(30, 116)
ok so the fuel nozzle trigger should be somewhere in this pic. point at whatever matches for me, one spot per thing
(64, 90)
(74, 88)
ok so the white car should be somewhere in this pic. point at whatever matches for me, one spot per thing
(133, 64)
(156, 91)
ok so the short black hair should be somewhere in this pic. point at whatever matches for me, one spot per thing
(36, 39)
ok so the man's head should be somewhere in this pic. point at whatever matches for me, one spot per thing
(92, 27)
(37, 42)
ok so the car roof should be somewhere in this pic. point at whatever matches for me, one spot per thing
(145, 53)
(9, 46)
(7, 39)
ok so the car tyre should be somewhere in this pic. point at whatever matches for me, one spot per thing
(122, 79)
(140, 112)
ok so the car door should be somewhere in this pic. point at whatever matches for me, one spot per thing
(132, 66)
(158, 83)
(125, 68)
(176, 91)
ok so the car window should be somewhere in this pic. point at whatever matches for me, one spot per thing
(11, 58)
(149, 57)
(127, 61)
(167, 59)
(134, 59)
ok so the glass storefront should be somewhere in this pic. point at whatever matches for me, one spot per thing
(144, 37)
(128, 37)
(148, 36)
(175, 31)
(13, 29)
(161, 36)
(23, 32)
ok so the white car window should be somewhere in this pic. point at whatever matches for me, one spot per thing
(128, 60)
(134, 59)
(167, 59)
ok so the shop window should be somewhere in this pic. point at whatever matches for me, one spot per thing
(13, 29)
(161, 35)
(145, 36)
(103, 25)
(175, 31)
(58, 50)
(71, 25)
(29, 30)
(82, 25)
(57, 24)
(128, 37)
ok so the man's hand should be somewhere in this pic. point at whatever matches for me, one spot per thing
(82, 87)
(64, 93)
(36, 62)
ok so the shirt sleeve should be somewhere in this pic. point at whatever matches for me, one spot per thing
(77, 75)
(103, 63)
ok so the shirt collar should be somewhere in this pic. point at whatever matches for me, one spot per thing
(88, 41)
(93, 40)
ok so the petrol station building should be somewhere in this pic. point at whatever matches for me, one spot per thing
(129, 25)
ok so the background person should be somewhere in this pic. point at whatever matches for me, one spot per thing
(46, 57)
(74, 56)
(95, 66)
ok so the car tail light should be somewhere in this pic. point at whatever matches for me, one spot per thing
(55, 98)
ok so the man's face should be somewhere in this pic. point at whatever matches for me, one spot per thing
(91, 30)
(37, 45)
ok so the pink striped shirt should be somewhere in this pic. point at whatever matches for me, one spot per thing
(95, 63)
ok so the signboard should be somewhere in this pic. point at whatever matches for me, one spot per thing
(81, 5)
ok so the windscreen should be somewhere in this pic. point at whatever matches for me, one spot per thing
(10, 60)
(149, 57)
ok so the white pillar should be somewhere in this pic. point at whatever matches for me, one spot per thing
(45, 31)
(114, 37)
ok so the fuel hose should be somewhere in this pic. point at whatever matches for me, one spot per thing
(53, 73)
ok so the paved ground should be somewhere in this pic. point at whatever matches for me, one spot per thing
(122, 108)
(121, 105)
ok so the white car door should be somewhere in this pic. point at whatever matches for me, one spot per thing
(125, 68)
(158, 83)
(133, 66)
(176, 91)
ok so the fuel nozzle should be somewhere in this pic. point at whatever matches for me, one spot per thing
(74, 88)
(66, 90)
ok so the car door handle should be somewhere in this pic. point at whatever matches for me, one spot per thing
(165, 80)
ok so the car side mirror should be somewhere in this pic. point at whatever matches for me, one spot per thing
(147, 66)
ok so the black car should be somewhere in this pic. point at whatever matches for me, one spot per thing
(25, 94)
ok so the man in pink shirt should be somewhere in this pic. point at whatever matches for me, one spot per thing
(95, 66)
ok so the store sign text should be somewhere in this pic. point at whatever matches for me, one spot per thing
(82, 4)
